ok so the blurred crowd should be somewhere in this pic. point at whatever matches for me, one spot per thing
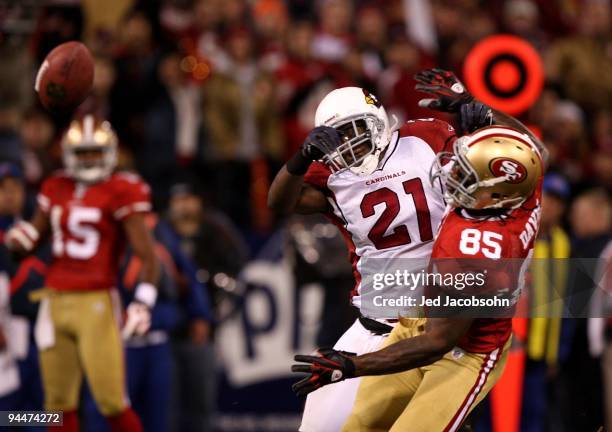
(210, 97)
(221, 92)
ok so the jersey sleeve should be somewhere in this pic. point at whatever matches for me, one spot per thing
(438, 134)
(43, 199)
(133, 195)
(317, 175)
(49, 190)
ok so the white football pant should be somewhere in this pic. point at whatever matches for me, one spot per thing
(328, 408)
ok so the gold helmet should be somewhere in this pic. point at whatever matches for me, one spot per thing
(87, 136)
(494, 167)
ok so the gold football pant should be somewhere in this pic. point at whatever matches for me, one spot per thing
(86, 340)
(433, 398)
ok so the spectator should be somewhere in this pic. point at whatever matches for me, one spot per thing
(105, 77)
(566, 140)
(295, 77)
(40, 158)
(600, 327)
(57, 23)
(235, 12)
(207, 236)
(270, 23)
(521, 17)
(11, 148)
(242, 126)
(210, 242)
(135, 84)
(396, 83)
(602, 157)
(150, 359)
(333, 40)
(591, 221)
(207, 20)
(547, 339)
(171, 128)
(580, 64)
(20, 385)
(318, 256)
(371, 30)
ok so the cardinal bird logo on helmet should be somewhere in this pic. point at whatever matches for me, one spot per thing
(371, 99)
(513, 170)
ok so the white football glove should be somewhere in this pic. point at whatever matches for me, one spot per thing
(138, 319)
(21, 237)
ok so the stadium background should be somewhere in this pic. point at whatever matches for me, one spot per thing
(209, 98)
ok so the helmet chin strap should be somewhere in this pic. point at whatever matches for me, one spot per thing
(369, 164)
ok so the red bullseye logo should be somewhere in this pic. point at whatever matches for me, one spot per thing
(505, 72)
(514, 171)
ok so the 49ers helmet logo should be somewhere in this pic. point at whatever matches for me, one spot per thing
(513, 170)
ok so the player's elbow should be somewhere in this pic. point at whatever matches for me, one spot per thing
(279, 206)
(274, 203)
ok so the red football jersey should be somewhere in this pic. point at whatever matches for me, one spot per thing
(489, 240)
(87, 234)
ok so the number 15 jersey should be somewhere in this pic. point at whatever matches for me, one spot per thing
(395, 211)
(86, 227)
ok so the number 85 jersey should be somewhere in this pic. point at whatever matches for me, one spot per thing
(86, 227)
(499, 246)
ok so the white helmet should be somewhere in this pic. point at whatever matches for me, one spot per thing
(361, 119)
(89, 134)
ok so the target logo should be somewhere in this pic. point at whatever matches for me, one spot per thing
(513, 170)
(505, 72)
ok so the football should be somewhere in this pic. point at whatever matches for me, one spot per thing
(65, 77)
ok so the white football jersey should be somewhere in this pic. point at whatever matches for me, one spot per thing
(394, 212)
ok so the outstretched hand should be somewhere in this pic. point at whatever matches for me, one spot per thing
(326, 367)
(448, 91)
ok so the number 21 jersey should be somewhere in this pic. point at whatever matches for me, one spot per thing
(86, 227)
(395, 211)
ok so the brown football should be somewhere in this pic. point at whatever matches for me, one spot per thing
(65, 77)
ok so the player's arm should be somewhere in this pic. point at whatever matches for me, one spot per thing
(329, 366)
(441, 335)
(138, 319)
(450, 95)
(23, 236)
(141, 241)
(288, 192)
(504, 119)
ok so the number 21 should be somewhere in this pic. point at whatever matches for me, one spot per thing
(399, 235)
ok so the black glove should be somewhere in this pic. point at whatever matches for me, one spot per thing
(320, 141)
(329, 366)
(474, 115)
(449, 92)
